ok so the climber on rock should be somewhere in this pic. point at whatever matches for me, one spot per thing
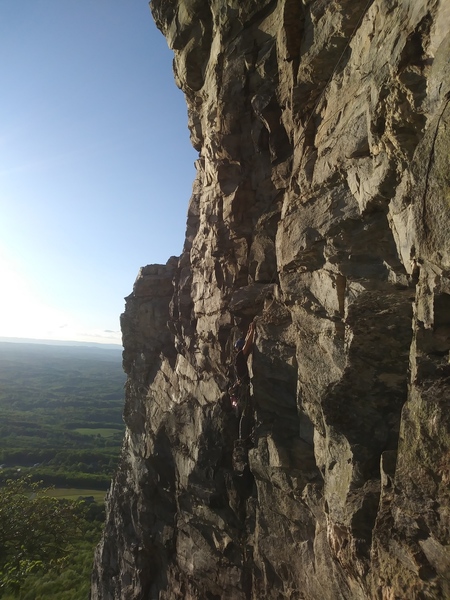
(243, 349)
(240, 391)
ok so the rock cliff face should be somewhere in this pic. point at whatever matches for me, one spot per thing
(320, 208)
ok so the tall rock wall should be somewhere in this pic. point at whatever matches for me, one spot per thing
(320, 209)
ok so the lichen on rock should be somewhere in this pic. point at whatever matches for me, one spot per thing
(321, 210)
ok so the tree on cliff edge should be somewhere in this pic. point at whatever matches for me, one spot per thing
(36, 531)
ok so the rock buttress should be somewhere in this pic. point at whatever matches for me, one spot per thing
(321, 209)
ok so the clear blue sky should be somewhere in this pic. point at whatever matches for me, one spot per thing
(96, 166)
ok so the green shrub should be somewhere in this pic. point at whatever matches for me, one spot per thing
(37, 533)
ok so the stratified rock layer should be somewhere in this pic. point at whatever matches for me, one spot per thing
(321, 208)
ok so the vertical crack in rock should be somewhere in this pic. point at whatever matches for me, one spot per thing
(320, 210)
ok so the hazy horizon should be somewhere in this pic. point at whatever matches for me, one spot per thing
(49, 342)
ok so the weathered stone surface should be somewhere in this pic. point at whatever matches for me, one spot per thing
(320, 208)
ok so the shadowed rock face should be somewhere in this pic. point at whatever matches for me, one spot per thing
(321, 208)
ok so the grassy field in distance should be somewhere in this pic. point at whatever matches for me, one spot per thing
(75, 493)
(105, 432)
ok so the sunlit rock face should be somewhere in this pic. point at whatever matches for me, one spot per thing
(321, 207)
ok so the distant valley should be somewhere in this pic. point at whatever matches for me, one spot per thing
(61, 412)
